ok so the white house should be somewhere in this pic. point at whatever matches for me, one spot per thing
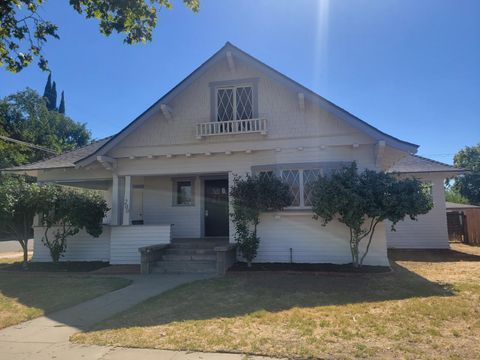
(167, 174)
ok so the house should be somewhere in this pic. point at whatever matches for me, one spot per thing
(167, 175)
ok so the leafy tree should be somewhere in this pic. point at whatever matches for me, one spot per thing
(454, 196)
(23, 32)
(362, 200)
(64, 212)
(61, 107)
(24, 116)
(18, 206)
(251, 196)
(468, 185)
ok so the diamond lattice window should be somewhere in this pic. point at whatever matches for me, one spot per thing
(309, 177)
(292, 179)
(244, 102)
(225, 103)
(235, 103)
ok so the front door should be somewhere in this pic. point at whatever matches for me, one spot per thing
(216, 207)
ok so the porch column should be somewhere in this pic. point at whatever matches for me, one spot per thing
(127, 200)
(115, 197)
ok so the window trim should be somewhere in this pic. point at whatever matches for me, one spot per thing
(216, 85)
(175, 182)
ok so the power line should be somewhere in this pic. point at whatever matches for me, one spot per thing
(28, 144)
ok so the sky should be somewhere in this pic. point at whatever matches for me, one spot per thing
(410, 68)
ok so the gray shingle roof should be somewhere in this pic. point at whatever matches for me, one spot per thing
(420, 164)
(64, 160)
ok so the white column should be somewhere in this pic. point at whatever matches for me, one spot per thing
(127, 201)
(115, 197)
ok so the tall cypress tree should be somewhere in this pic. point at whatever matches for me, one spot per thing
(61, 107)
(48, 90)
(53, 97)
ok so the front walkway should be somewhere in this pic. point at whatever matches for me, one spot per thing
(47, 337)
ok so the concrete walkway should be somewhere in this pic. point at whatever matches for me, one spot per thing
(47, 337)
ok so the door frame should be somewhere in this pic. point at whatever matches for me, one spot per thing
(202, 202)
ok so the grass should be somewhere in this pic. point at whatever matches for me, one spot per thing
(24, 296)
(428, 307)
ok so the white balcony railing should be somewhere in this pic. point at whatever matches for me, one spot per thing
(233, 127)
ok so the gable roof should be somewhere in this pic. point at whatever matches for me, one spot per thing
(89, 153)
(420, 164)
(237, 53)
(65, 160)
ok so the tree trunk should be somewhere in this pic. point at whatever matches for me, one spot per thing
(24, 244)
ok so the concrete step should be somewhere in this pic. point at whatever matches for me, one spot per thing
(175, 266)
(189, 257)
(196, 245)
(188, 251)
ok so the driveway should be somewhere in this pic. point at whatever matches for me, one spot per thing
(47, 337)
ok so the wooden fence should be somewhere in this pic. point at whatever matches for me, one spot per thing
(464, 225)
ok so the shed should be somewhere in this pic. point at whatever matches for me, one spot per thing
(463, 221)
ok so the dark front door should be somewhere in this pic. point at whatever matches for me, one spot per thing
(216, 207)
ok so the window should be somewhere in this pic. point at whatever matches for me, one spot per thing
(292, 179)
(234, 103)
(309, 177)
(300, 182)
(183, 193)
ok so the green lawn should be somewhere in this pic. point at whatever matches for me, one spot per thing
(428, 307)
(24, 296)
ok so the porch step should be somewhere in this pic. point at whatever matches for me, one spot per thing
(186, 255)
(192, 257)
(188, 251)
(185, 266)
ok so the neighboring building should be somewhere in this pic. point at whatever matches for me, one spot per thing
(172, 167)
(463, 221)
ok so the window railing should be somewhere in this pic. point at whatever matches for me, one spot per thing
(247, 126)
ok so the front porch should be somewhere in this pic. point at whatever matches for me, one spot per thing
(185, 215)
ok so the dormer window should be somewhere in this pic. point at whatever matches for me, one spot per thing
(234, 103)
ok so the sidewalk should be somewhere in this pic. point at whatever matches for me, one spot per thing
(47, 337)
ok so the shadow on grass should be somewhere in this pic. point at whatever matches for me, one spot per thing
(240, 294)
(436, 255)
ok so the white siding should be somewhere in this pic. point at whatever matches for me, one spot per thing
(311, 242)
(80, 247)
(158, 207)
(126, 240)
(430, 231)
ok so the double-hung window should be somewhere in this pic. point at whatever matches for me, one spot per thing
(234, 103)
(300, 182)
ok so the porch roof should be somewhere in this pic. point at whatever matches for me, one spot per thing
(65, 160)
(420, 164)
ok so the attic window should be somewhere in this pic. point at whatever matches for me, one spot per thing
(234, 103)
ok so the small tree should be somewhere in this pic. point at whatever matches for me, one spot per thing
(66, 211)
(251, 196)
(362, 201)
(18, 206)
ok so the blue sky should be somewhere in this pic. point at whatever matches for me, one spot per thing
(409, 67)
